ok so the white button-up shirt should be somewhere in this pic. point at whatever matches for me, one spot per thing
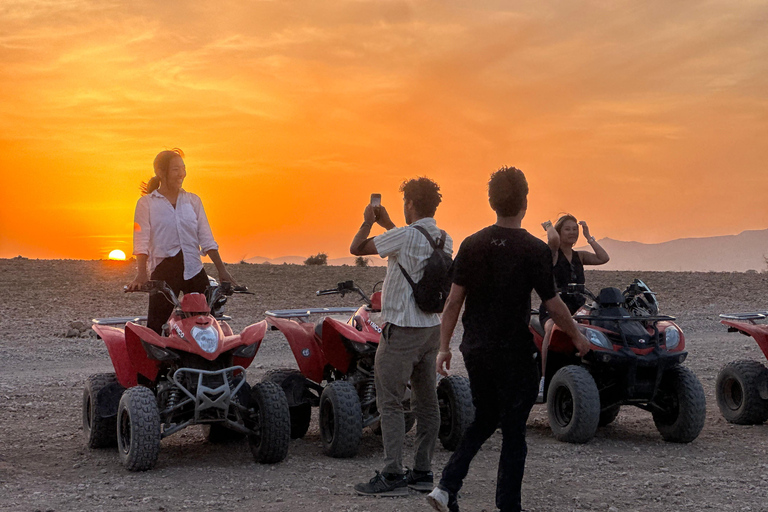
(161, 231)
(411, 249)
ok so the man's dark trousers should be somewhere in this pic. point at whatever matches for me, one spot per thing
(504, 388)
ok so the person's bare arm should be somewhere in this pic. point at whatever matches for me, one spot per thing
(362, 245)
(600, 255)
(224, 274)
(553, 239)
(447, 325)
(141, 275)
(562, 317)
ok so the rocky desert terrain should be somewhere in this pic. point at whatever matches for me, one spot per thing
(45, 466)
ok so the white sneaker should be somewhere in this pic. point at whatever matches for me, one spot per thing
(438, 498)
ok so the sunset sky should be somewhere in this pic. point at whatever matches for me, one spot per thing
(647, 119)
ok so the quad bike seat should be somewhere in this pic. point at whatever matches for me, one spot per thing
(536, 324)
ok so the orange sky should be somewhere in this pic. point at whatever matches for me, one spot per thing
(647, 119)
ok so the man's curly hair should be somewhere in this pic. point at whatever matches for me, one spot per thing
(424, 193)
(507, 191)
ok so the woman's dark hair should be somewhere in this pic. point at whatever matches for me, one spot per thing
(424, 193)
(562, 220)
(507, 191)
(161, 164)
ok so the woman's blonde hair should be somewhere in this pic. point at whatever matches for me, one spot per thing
(161, 164)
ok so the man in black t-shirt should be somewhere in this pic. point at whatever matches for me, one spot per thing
(495, 271)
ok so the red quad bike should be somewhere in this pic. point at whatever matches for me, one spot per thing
(742, 386)
(193, 375)
(636, 359)
(335, 357)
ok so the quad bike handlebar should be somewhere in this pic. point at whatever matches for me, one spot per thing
(344, 288)
(213, 293)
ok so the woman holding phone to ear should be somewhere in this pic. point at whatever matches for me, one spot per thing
(171, 232)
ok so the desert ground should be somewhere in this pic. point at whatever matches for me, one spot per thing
(45, 466)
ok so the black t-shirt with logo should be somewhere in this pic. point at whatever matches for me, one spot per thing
(499, 267)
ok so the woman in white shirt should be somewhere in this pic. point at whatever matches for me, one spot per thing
(170, 233)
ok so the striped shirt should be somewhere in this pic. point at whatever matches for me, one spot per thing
(161, 231)
(411, 249)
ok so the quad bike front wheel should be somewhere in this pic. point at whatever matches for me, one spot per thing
(341, 420)
(681, 406)
(454, 397)
(100, 400)
(740, 388)
(573, 405)
(292, 382)
(138, 429)
(270, 421)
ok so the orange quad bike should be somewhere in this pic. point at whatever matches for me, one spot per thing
(335, 356)
(194, 374)
(742, 386)
(636, 359)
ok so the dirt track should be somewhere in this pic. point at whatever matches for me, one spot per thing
(45, 466)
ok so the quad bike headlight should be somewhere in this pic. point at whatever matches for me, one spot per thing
(672, 337)
(597, 338)
(207, 339)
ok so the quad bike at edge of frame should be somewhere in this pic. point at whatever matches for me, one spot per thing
(335, 358)
(741, 387)
(636, 359)
(194, 374)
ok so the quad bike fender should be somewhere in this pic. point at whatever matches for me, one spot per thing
(758, 331)
(114, 339)
(304, 345)
(333, 346)
(142, 364)
(251, 335)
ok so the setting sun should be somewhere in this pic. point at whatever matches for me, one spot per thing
(117, 254)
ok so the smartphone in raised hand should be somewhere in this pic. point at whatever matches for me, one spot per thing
(375, 200)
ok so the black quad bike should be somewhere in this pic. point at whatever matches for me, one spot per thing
(636, 359)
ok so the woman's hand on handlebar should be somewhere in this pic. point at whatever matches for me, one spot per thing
(224, 275)
(136, 284)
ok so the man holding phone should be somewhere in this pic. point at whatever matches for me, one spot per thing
(410, 338)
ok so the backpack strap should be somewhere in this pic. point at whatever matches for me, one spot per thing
(435, 246)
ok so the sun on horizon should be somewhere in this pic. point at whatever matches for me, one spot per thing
(117, 254)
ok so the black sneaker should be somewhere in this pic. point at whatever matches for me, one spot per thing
(381, 485)
(422, 481)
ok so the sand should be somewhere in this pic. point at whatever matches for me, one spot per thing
(44, 464)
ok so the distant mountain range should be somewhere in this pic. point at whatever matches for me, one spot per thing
(373, 261)
(730, 253)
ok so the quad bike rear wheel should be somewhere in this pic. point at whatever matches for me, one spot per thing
(218, 433)
(682, 404)
(608, 415)
(138, 429)
(454, 397)
(300, 409)
(270, 421)
(740, 388)
(341, 420)
(573, 405)
(101, 397)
